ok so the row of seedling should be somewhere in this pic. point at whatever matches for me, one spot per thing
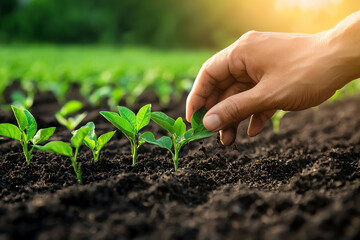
(126, 121)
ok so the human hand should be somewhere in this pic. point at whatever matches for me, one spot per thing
(263, 72)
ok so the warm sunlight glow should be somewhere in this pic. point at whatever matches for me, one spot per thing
(306, 5)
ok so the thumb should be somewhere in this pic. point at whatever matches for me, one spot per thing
(232, 110)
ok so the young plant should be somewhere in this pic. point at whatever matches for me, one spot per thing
(26, 132)
(20, 100)
(275, 119)
(96, 144)
(130, 124)
(177, 131)
(63, 148)
(69, 108)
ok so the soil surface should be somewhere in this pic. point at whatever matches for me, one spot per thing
(300, 183)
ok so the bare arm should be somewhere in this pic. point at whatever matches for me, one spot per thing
(264, 71)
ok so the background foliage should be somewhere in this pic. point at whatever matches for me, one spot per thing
(155, 22)
(163, 23)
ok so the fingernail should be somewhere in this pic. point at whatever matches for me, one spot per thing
(252, 133)
(226, 139)
(212, 122)
(222, 138)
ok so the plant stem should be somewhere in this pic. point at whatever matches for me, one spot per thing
(135, 150)
(276, 125)
(26, 153)
(25, 148)
(176, 158)
(76, 168)
(96, 156)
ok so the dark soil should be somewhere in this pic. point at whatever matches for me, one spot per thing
(301, 183)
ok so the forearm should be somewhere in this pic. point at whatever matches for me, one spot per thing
(344, 44)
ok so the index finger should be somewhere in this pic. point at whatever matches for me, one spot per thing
(212, 75)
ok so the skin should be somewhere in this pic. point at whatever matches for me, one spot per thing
(266, 71)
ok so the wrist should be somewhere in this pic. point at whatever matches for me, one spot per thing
(343, 44)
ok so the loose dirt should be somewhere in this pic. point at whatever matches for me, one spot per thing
(300, 183)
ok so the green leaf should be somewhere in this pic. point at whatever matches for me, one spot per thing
(163, 142)
(91, 135)
(61, 120)
(179, 127)
(10, 131)
(198, 135)
(90, 143)
(141, 142)
(197, 118)
(43, 135)
(20, 117)
(103, 139)
(79, 136)
(31, 126)
(143, 117)
(77, 120)
(70, 108)
(91, 139)
(164, 121)
(56, 147)
(119, 122)
(128, 115)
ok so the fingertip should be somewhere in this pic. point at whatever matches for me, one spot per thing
(228, 136)
(256, 125)
(188, 115)
(189, 108)
(212, 122)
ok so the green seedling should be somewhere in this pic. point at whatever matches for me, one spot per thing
(96, 144)
(276, 118)
(177, 131)
(59, 88)
(130, 124)
(26, 132)
(70, 108)
(63, 148)
(113, 95)
(21, 101)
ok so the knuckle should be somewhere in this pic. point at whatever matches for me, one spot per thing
(207, 63)
(249, 36)
(233, 56)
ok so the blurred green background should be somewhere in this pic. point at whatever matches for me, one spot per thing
(162, 23)
(118, 49)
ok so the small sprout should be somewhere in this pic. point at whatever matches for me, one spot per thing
(69, 108)
(63, 148)
(59, 88)
(177, 131)
(275, 119)
(21, 101)
(96, 144)
(130, 124)
(99, 94)
(26, 132)
(115, 97)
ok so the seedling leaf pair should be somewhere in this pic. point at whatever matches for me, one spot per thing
(69, 108)
(130, 124)
(177, 132)
(26, 132)
(96, 144)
